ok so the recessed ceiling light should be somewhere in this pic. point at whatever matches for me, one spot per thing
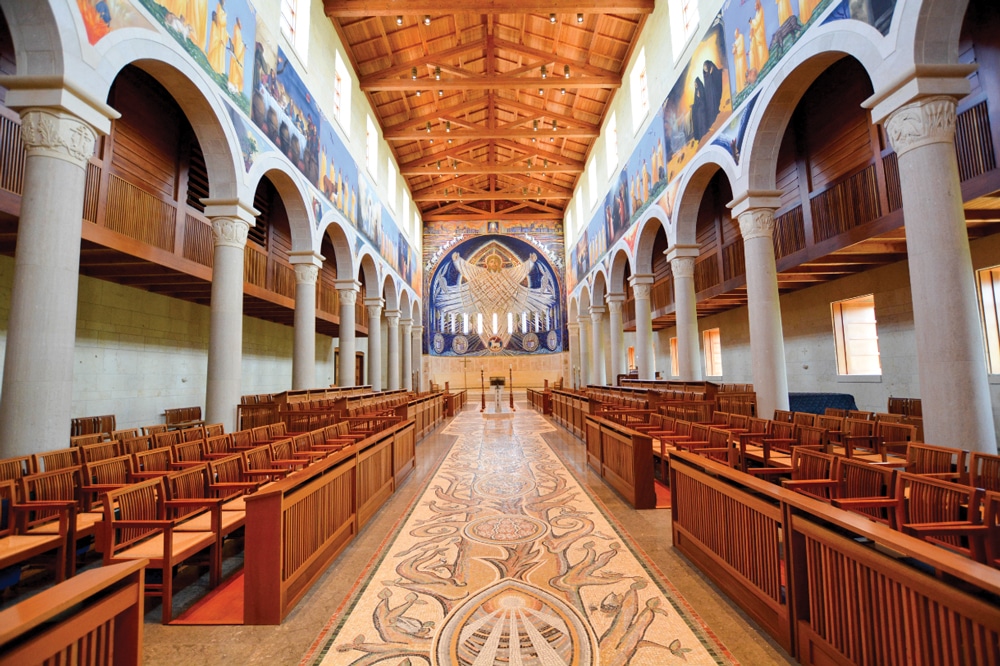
(440, 93)
(579, 17)
(545, 72)
(427, 19)
(552, 18)
(399, 20)
(562, 91)
(541, 92)
(418, 93)
(437, 73)
(566, 71)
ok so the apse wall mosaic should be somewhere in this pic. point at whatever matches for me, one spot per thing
(494, 295)
(270, 106)
(742, 44)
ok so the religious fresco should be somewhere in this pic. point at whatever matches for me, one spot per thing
(876, 13)
(732, 135)
(102, 16)
(494, 295)
(251, 142)
(217, 34)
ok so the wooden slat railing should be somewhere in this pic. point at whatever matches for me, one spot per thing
(93, 618)
(623, 458)
(133, 212)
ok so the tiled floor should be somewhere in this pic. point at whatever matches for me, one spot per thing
(288, 643)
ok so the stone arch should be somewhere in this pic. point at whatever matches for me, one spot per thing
(208, 116)
(598, 286)
(46, 38)
(415, 311)
(574, 304)
(819, 49)
(649, 225)
(293, 195)
(620, 261)
(340, 237)
(692, 188)
(404, 302)
(583, 302)
(931, 28)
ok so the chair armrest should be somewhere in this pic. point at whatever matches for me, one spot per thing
(768, 471)
(809, 483)
(866, 503)
(194, 502)
(945, 529)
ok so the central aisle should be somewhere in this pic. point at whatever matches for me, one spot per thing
(505, 558)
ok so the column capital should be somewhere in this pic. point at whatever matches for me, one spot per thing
(597, 310)
(641, 286)
(642, 279)
(917, 82)
(231, 220)
(573, 326)
(926, 121)
(307, 257)
(57, 95)
(305, 273)
(392, 318)
(614, 298)
(676, 251)
(682, 267)
(405, 323)
(58, 134)
(417, 330)
(754, 199)
(374, 306)
(757, 223)
(615, 307)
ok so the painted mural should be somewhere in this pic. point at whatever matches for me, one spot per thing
(102, 16)
(741, 46)
(494, 295)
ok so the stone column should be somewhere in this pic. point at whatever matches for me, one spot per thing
(574, 353)
(617, 335)
(406, 364)
(36, 408)
(755, 211)
(347, 290)
(230, 222)
(392, 343)
(954, 387)
(307, 265)
(682, 258)
(416, 341)
(597, 369)
(645, 360)
(585, 350)
(374, 306)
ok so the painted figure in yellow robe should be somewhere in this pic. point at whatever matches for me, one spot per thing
(784, 11)
(218, 38)
(806, 8)
(192, 14)
(758, 40)
(740, 60)
(236, 60)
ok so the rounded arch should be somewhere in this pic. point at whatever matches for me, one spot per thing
(929, 30)
(368, 273)
(404, 303)
(46, 38)
(415, 311)
(340, 237)
(574, 304)
(692, 188)
(390, 292)
(293, 195)
(620, 263)
(583, 302)
(820, 48)
(651, 223)
(208, 116)
(598, 286)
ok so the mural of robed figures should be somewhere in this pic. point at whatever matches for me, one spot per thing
(494, 295)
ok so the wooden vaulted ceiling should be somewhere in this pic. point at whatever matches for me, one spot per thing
(458, 88)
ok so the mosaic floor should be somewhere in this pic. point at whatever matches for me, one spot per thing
(506, 559)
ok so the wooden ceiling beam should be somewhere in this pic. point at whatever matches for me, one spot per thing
(364, 8)
(578, 65)
(493, 82)
(563, 119)
(486, 133)
(493, 196)
(484, 169)
(487, 215)
(423, 61)
(434, 115)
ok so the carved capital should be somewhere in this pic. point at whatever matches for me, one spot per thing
(348, 296)
(306, 273)
(392, 318)
(682, 267)
(641, 292)
(930, 120)
(417, 331)
(374, 311)
(573, 327)
(615, 308)
(230, 232)
(57, 134)
(757, 223)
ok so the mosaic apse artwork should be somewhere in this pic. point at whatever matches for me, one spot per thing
(494, 295)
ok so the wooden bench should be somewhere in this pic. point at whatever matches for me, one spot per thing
(136, 527)
(16, 547)
(94, 618)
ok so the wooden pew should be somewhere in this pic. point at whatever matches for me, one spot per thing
(94, 618)
(16, 547)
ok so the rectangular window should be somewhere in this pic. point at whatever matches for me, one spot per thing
(683, 17)
(390, 184)
(989, 291)
(630, 358)
(342, 93)
(611, 144)
(856, 336)
(294, 25)
(674, 363)
(371, 148)
(640, 94)
(712, 343)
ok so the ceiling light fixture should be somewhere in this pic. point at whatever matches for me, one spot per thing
(562, 91)
(541, 92)
(534, 125)
(427, 18)
(545, 73)
(545, 165)
(566, 71)
(418, 93)
(428, 126)
(440, 93)
(529, 162)
(449, 140)
(555, 125)
(413, 73)
(437, 73)
(447, 126)
(439, 165)
(579, 17)
(552, 18)
(399, 20)
(454, 165)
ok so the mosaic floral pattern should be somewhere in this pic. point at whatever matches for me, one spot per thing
(506, 559)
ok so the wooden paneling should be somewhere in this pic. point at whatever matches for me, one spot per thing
(848, 204)
(12, 153)
(375, 478)
(133, 212)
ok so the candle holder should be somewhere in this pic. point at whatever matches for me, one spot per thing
(482, 387)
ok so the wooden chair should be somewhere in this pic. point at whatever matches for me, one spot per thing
(984, 471)
(189, 454)
(214, 429)
(894, 437)
(866, 489)
(941, 462)
(860, 415)
(193, 504)
(192, 433)
(809, 472)
(227, 480)
(136, 526)
(101, 476)
(835, 411)
(81, 440)
(260, 462)
(803, 418)
(301, 446)
(261, 434)
(136, 444)
(100, 451)
(242, 440)
(882, 417)
(940, 512)
(218, 446)
(152, 464)
(17, 548)
(12, 469)
(991, 511)
(60, 485)
(125, 433)
(760, 449)
(154, 429)
(283, 455)
(782, 416)
(105, 423)
(166, 439)
(834, 426)
(856, 435)
(717, 445)
(58, 459)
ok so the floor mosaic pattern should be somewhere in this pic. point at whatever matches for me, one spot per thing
(507, 559)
